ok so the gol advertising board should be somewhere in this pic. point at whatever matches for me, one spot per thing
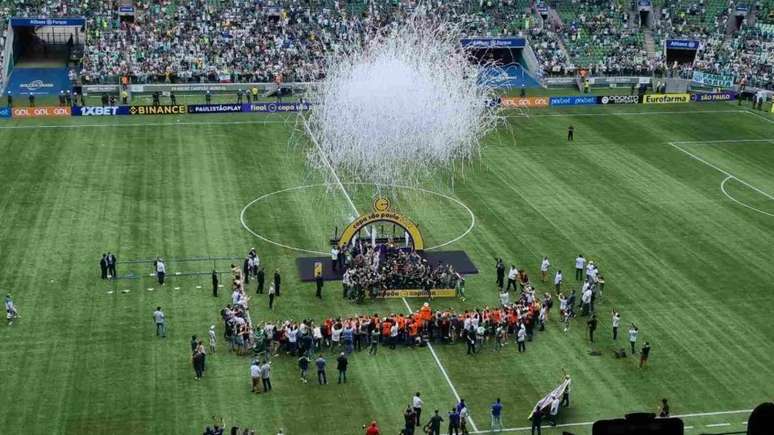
(524, 102)
(713, 96)
(100, 110)
(40, 112)
(417, 293)
(665, 98)
(158, 110)
(619, 99)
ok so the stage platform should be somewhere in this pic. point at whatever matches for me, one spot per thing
(458, 259)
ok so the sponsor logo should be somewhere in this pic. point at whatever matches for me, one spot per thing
(716, 80)
(520, 102)
(44, 111)
(99, 111)
(214, 108)
(5, 112)
(682, 44)
(619, 99)
(715, 96)
(665, 98)
(417, 293)
(35, 85)
(572, 101)
(158, 110)
(276, 107)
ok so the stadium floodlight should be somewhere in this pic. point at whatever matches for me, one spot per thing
(399, 107)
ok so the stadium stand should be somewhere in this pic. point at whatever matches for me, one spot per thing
(249, 40)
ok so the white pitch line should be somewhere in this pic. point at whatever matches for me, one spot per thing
(759, 116)
(649, 113)
(136, 124)
(723, 171)
(588, 423)
(723, 189)
(722, 141)
(719, 424)
(443, 371)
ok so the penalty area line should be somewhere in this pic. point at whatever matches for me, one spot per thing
(589, 423)
(443, 371)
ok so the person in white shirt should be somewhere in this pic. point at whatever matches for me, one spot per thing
(544, 266)
(513, 273)
(336, 335)
(633, 332)
(554, 411)
(505, 299)
(255, 377)
(580, 264)
(521, 337)
(558, 281)
(586, 299)
(161, 270)
(213, 340)
(616, 324)
(416, 403)
(335, 258)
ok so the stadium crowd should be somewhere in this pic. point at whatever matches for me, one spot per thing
(254, 40)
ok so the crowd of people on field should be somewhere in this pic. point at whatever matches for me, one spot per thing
(370, 269)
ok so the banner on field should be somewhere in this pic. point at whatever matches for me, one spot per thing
(682, 44)
(158, 110)
(494, 43)
(522, 102)
(275, 107)
(716, 80)
(100, 110)
(214, 108)
(417, 293)
(665, 98)
(38, 81)
(619, 99)
(40, 112)
(5, 112)
(714, 96)
(572, 101)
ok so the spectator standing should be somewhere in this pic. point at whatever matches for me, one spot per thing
(496, 412)
(321, 363)
(616, 324)
(410, 421)
(266, 376)
(592, 324)
(663, 410)
(372, 429)
(213, 340)
(500, 267)
(544, 266)
(277, 282)
(103, 266)
(558, 281)
(303, 367)
(416, 405)
(255, 376)
(161, 270)
(215, 283)
(644, 354)
(112, 262)
(633, 332)
(433, 426)
(161, 322)
(554, 410)
(341, 364)
(454, 421)
(271, 296)
(580, 264)
(513, 273)
(537, 420)
(260, 276)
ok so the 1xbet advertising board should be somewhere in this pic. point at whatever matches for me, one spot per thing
(100, 110)
(572, 101)
(40, 112)
(619, 99)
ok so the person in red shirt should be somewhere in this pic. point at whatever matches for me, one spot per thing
(372, 429)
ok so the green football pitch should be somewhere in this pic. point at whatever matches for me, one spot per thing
(674, 202)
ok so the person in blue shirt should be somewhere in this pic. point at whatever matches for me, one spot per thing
(454, 422)
(497, 410)
(321, 363)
